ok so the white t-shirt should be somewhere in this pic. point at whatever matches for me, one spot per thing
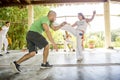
(82, 25)
(4, 30)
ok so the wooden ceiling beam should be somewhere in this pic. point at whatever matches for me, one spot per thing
(26, 1)
(16, 1)
(116, 0)
(0, 2)
(6, 3)
(63, 1)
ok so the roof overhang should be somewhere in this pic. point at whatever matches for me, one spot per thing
(6, 3)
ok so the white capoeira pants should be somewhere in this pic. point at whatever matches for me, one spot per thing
(3, 40)
(78, 35)
(68, 42)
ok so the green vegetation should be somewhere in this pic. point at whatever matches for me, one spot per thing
(40, 11)
(18, 28)
(100, 41)
(19, 18)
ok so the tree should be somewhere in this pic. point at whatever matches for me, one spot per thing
(40, 11)
(18, 28)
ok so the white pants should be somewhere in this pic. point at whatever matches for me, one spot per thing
(3, 40)
(78, 35)
(66, 43)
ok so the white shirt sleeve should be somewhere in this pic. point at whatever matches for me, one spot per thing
(3, 28)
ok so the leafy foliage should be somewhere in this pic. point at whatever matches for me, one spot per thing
(18, 28)
(40, 11)
(19, 18)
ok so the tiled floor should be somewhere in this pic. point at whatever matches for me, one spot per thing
(98, 64)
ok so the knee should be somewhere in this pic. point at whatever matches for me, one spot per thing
(32, 54)
(47, 46)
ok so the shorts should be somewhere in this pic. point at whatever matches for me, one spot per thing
(35, 40)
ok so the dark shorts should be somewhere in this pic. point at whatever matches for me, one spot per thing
(35, 40)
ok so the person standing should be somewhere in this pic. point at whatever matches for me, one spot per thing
(35, 39)
(68, 42)
(79, 32)
(3, 37)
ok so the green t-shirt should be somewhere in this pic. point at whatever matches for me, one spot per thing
(37, 25)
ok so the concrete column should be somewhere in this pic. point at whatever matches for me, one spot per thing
(107, 24)
(30, 15)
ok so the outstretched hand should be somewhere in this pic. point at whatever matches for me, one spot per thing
(63, 23)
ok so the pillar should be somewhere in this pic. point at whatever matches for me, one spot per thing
(30, 15)
(107, 24)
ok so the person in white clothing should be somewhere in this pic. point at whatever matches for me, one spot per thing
(3, 38)
(79, 32)
(68, 42)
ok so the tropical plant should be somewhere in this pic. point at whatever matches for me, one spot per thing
(40, 11)
(18, 28)
(91, 41)
(117, 42)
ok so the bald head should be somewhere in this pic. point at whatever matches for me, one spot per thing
(51, 12)
(52, 16)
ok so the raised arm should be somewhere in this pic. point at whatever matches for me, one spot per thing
(48, 33)
(75, 24)
(55, 28)
(89, 20)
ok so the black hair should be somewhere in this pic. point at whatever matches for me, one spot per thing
(51, 11)
(7, 22)
(80, 14)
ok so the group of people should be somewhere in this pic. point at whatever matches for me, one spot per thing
(3, 38)
(78, 32)
(35, 38)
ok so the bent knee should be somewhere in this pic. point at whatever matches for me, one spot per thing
(47, 46)
(32, 53)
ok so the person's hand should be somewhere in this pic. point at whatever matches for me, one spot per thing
(63, 23)
(94, 12)
(55, 46)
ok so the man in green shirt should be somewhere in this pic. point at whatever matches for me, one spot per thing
(35, 39)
